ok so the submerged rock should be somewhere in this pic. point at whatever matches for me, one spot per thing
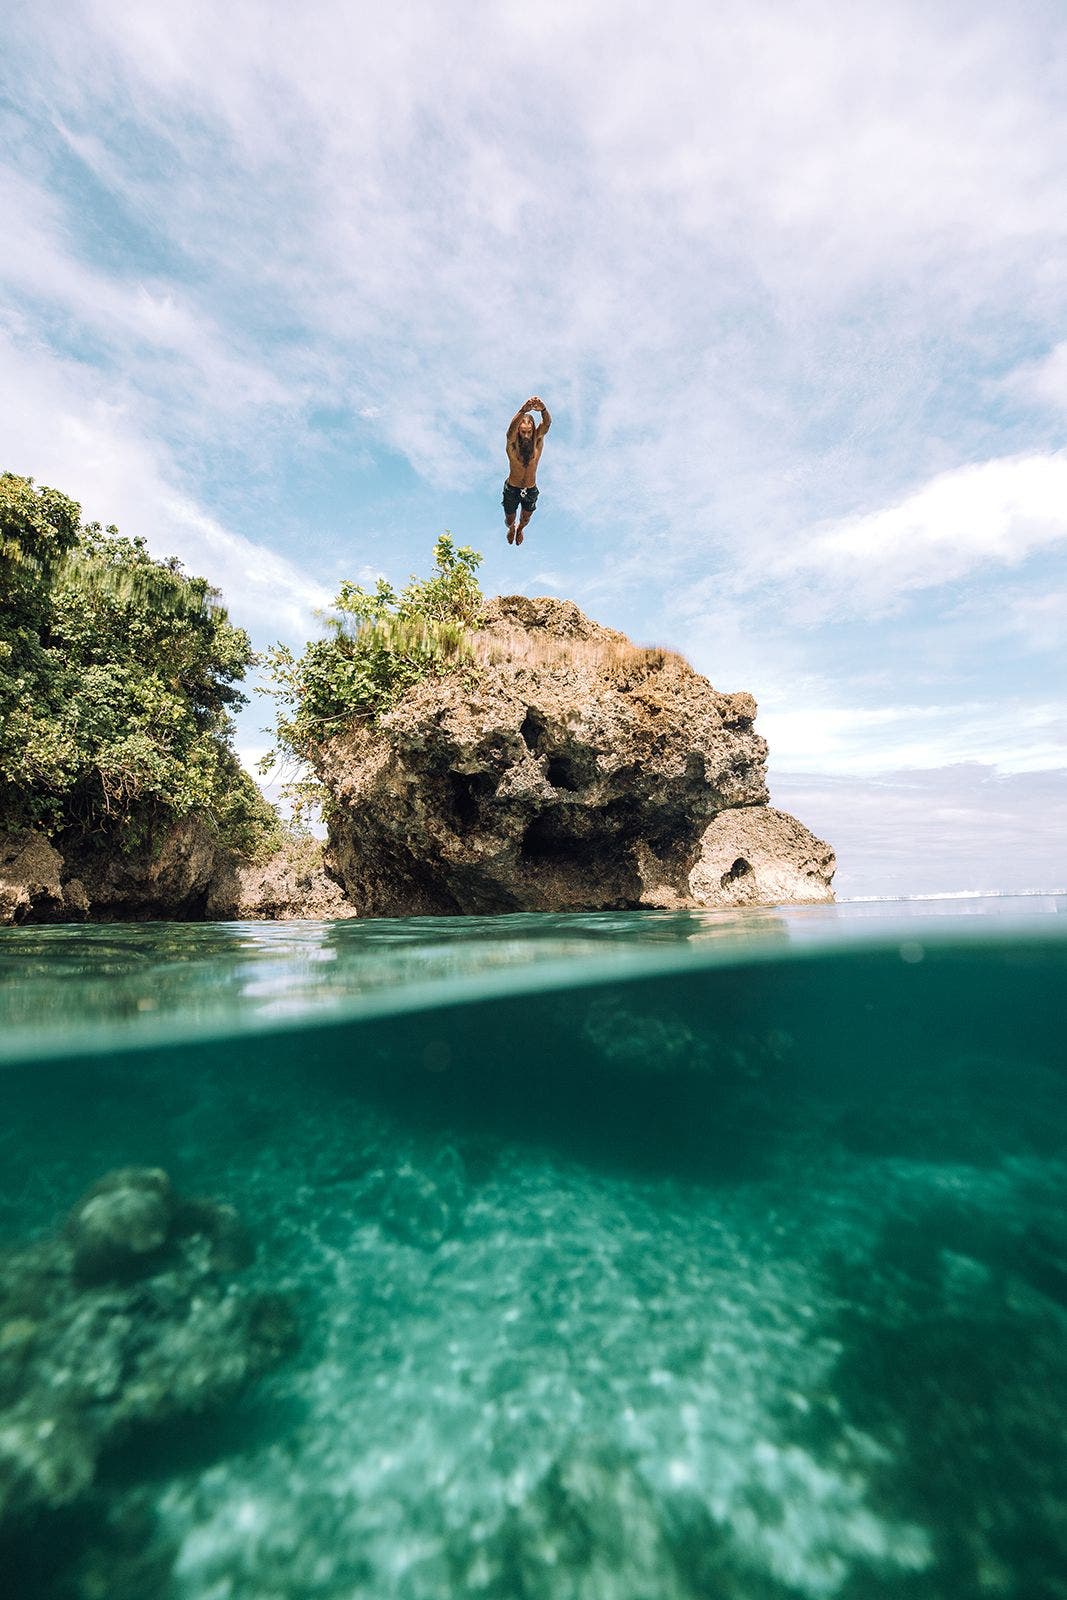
(124, 1320)
(121, 1222)
(572, 771)
(101, 1549)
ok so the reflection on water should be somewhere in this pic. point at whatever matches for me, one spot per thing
(114, 982)
(230, 974)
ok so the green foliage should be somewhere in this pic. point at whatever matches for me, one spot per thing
(117, 673)
(379, 644)
(37, 528)
(246, 821)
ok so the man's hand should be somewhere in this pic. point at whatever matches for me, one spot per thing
(535, 403)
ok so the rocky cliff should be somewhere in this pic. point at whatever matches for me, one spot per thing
(186, 875)
(572, 770)
(568, 769)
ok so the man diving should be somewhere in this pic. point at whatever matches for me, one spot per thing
(525, 443)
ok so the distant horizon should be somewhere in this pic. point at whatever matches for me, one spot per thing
(955, 894)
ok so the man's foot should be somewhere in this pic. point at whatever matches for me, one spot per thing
(511, 534)
(518, 535)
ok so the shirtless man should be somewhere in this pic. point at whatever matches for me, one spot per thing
(525, 443)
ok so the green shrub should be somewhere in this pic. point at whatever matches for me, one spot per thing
(117, 676)
(379, 644)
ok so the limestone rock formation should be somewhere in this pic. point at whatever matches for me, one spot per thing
(122, 1221)
(292, 885)
(572, 771)
(167, 878)
(31, 886)
(185, 875)
(759, 856)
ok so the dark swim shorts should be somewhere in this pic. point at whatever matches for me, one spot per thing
(514, 498)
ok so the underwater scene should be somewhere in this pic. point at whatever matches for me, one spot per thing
(636, 1256)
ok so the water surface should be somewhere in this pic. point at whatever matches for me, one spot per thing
(634, 1255)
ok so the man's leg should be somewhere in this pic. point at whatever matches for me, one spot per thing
(510, 504)
(529, 506)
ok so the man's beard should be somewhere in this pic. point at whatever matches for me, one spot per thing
(525, 449)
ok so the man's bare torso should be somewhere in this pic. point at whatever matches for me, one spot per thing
(523, 474)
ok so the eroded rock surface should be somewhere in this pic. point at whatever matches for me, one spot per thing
(185, 875)
(759, 856)
(31, 886)
(61, 881)
(572, 771)
(292, 885)
(168, 878)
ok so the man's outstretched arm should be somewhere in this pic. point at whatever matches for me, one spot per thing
(546, 420)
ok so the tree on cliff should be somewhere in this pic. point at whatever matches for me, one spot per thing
(117, 674)
(378, 645)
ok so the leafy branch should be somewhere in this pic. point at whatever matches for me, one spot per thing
(379, 644)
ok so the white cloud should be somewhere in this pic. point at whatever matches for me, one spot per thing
(1018, 622)
(855, 132)
(683, 243)
(57, 428)
(1039, 620)
(1012, 736)
(990, 513)
(140, 321)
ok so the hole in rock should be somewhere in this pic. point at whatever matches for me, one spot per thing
(532, 729)
(543, 841)
(468, 791)
(740, 869)
(562, 774)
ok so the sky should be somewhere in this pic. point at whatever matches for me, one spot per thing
(791, 277)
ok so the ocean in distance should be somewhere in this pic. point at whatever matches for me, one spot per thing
(701, 1256)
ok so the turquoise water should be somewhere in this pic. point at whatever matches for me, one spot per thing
(642, 1255)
